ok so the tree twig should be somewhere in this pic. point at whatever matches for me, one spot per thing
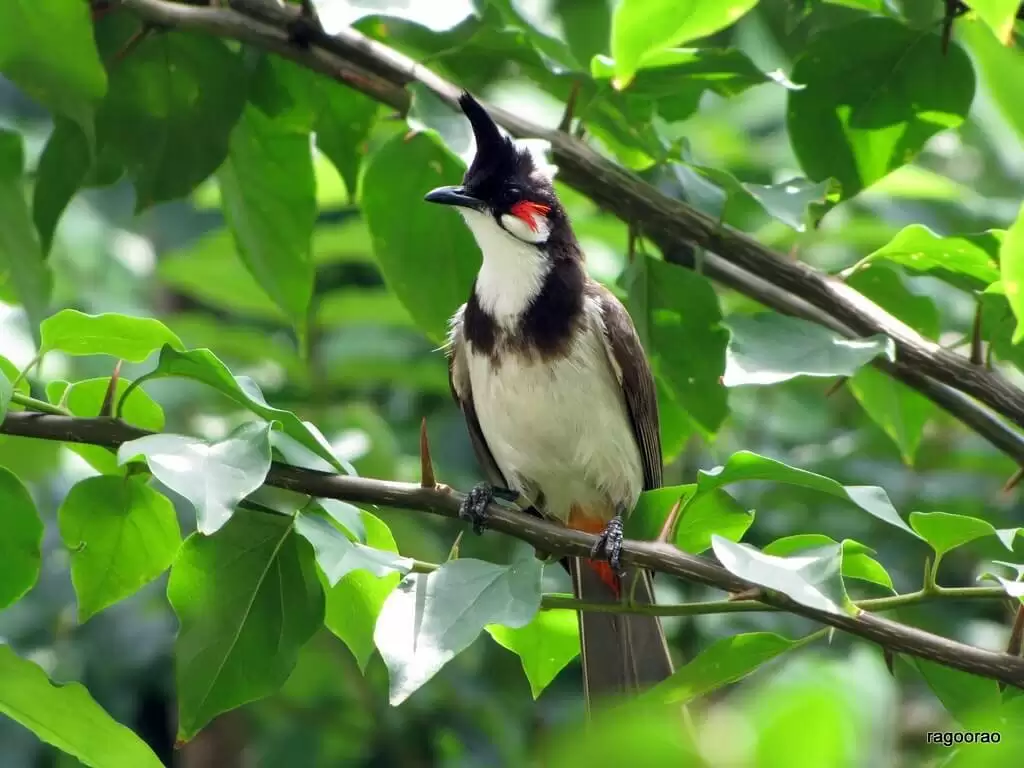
(548, 537)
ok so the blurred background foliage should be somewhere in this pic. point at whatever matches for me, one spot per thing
(364, 366)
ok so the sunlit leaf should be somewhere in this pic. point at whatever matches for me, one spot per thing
(430, 618)
(336, 15)
(944, 531)
(769, 348)
(121, 535)
(965, 260)
(354, 603)
(129, 338)
(642, 28)
(247, 599)
(744, 466)
(857, 560)
(337, 556)
(1000, 66)
(811, 578)
(67, 717)
(544, 646)
(712, 513)
(1011, 266)
(999, 15)
(21, 542)
(858, 123)
(202, 365)
(215, 476)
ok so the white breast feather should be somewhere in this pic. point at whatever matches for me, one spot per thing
(560, 427)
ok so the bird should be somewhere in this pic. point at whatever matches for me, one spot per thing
(557, 395)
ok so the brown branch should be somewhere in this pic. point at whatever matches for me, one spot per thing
(548, 537)
(735, 259)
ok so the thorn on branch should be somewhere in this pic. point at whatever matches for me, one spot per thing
(427, 478)
(890, 660)
(132, 43)
(453, 553)
(1014, 480)
(669, 526)
(977, 355)
(107, 407)
(835, 386)
(755, 593)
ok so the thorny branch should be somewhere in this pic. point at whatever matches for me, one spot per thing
(659, 557)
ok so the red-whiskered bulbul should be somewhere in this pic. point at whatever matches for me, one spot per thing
(557, 394)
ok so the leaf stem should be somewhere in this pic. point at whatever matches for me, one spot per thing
(35, 404)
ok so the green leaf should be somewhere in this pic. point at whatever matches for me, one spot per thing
(791, 201)
(876, 91)
(641, 28)
(768, 348)
(129, 338)
(677, 317)
(962, 694)
(1001, 68)
(586, 26)
(343, 123)
(215, 476)
(269, 199)
(712, 513)
(202, 365)
(857, 560)
(67, 717)
(63, 167)
(22, 540)
(999, 15)
(811, 578)
(354, 603)
(84, 398)
(432, 282)
(723, 662)
(544, 646)
(10, 371)
(247, 599)
(435, 17)
(1011, 265)
(968, 261)
(430, 618)
(744, 465)
(173, 87)
(337, 556)
(24, 275)
(47, 48)
(121, 534)
(944, 531)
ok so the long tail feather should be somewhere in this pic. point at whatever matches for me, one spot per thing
(621, 653)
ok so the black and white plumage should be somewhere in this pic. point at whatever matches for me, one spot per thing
(556, 390)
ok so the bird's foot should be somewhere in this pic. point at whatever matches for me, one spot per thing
(474, 506)
(306, 27)
(609, 544)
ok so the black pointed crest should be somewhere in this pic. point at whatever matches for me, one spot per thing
(497, 158)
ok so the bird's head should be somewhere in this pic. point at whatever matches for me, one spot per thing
(503, 188)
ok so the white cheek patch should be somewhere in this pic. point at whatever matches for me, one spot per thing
(515, 226)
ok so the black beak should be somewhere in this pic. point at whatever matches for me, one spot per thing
(453, 196)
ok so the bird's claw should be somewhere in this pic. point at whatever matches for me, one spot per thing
(609, 544)
(474, 506)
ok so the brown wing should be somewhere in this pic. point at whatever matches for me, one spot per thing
(634, 374)
(462, 391)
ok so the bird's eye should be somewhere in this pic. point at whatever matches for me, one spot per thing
(512, 194)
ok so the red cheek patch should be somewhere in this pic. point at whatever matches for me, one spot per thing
(526, 211)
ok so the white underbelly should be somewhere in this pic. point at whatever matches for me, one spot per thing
(559, 427)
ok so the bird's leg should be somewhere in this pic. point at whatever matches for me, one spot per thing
(306, 27)
(609, 544)
(474, 506)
